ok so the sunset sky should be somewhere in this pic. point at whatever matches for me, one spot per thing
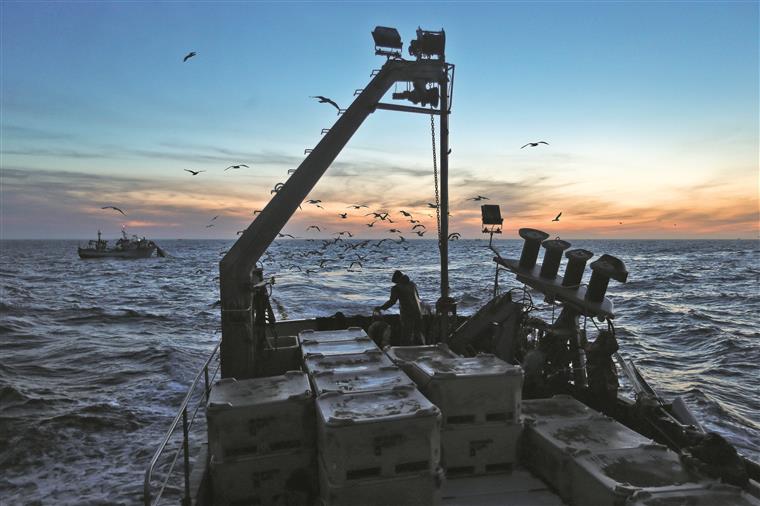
(651, 111)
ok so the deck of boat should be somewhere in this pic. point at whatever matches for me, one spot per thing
(518, 488)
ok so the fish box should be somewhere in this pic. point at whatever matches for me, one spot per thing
(548, 447)
(558, 407)
(403, 356)
(479, 449)
(711, 495)
(326, 348)
(359, 363)
(283, 478)
(384, 378)
(609, 478)
(261, 415)
(377, 434)
(421, 489)
(282, 355)
(480, 389)
(321, 336)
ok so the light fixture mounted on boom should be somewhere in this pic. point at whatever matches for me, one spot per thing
(387, 42)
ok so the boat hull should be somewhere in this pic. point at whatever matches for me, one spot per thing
(128, 254)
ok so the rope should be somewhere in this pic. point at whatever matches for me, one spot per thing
(435, 179)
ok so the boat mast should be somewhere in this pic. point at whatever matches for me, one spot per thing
(444, 303)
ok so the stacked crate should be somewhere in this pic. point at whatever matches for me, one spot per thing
(262, 441)
(378, 436)
(480, 401)
(591, 459)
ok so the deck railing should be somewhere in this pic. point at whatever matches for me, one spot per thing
(184, 419)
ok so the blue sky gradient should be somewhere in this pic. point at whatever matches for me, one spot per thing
(651, 110)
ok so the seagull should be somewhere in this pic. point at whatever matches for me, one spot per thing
(313, 226)
(370, 225)
(189, 55)
(408, 215)
(285, 235)
(237, 166)
(534, 144)
(432, 206)
(394, 231)
(418, 225)
(313, 201)
(322, 262)
(357, 263)
(356, 206)
(420, 233)
(209, 225)
(115, 209)
(343, 215)
(194, 172)
(345, 232)
(325, 100)
(215, 217)
(454, 236)
(479, 198)
(557, 218)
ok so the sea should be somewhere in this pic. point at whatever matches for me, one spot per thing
(97, 355)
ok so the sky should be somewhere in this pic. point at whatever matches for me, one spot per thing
(650, 110)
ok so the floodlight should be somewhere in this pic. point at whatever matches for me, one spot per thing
(387, 41)
(491, 214)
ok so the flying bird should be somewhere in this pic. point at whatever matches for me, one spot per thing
(194, 172)
(115, 209)
(454, 236)
(189, 55)
(237, 166)
(357, 263)
(209, 225)
(285, 235)
(291, 171)
(557, 217)
(479, 198)
(277, 188)
(313, 226)
(325, 100)
(420, 233)
(408, 215)
(343, 215)
(432, 206)
(370, 225)
(534, 144)
(215, 217)
(356, 206)
(394, 231)
(418, 225)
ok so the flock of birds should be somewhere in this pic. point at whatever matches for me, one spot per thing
(339, 248)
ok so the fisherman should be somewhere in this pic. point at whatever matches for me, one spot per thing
(405, 292)
(602, 373)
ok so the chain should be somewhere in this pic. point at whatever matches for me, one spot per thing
(435, 178)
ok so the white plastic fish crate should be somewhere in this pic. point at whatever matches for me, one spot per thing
(548, 446)
(403, 356)
(378, 434)
(609, 478)
(422, 489)
(350, 334)
(260, 416)
(384, 378)
(711, 495)
(353, 363)
(326, 348)
(558, 407)
(469, 450)
(480, 389)
(283, 478)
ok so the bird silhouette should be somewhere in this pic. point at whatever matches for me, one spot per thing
(557, 218)
(394, 231)
(325, 100)
(237, 166)
(420, 233)
(454, 236)
(209, 225)
(343, 215)
(355, 263)
(115, 209)
(479, 198)
(313, 226)
(277, 188)
(215, 217)
(534, 144)
(432, 206)
(408, 215)
(356, 206)
(194, 172)
(291, 171)
(370, 225)
(313, 201)
(418, 225)
(189, 55)
(285, 235)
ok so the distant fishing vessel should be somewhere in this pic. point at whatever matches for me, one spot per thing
(503, 407)
(125, 247)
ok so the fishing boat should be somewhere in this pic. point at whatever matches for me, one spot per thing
(125, 247)
(502, 407)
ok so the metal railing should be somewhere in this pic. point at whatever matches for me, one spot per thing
(186, 423)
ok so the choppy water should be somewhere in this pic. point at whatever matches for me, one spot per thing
(95, 356)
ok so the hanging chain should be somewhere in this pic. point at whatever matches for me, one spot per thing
(435, 178)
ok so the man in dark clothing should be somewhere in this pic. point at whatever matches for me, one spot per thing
(602, 373)
(405, 293)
